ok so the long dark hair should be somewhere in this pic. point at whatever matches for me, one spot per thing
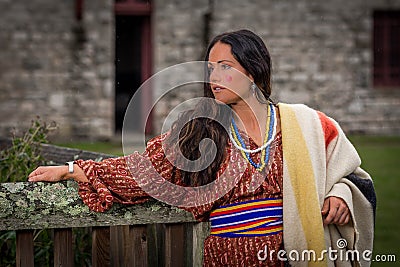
(197, 124)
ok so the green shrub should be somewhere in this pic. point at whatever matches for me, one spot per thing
(23, 156)
(16, 162)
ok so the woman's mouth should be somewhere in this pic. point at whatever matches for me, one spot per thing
(218, 88)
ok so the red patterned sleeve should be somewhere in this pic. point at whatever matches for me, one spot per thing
(111, 180)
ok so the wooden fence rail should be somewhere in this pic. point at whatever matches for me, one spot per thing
(149, 234)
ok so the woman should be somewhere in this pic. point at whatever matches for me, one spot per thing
(312, 191)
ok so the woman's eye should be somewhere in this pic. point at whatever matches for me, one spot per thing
(225, 67)
(210, 69)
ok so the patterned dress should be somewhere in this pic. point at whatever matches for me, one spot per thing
(111, 180)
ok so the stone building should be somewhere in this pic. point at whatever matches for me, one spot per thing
(79, 62)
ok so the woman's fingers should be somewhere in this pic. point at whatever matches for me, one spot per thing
(344, 219)
(330, 214)
(37, 178)
(47, 174)
(40, 170)
(34, 175)
(335, 211)
(340, 212)
(37, 175)
(325, 208)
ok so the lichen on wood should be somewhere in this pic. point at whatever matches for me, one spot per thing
(25, 205)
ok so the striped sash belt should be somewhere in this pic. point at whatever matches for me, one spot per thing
(251, 218)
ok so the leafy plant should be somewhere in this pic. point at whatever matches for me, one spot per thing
(43, 247)
(7, 248)
(16, 162)
(23, 156)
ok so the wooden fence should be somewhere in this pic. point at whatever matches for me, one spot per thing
(149, 234)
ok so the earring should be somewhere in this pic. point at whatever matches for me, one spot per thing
(253, 88)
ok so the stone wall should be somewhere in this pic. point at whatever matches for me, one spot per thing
(321, 52)
(61, 69)
(55, 67)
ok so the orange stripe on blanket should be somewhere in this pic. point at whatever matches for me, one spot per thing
(329, 129)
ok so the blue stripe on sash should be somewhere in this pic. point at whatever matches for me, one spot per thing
(251, 218)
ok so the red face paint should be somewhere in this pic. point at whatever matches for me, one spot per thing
(228, 78)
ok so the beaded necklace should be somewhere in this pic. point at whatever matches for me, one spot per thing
(270, 131)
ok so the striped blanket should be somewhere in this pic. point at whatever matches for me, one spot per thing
(319, 161)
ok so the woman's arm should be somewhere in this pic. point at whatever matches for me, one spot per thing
(334, 209)
(57, 173)
(110, 180)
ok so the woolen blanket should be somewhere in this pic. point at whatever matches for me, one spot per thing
(319, 161)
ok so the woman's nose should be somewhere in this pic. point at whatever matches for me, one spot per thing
(215, 76)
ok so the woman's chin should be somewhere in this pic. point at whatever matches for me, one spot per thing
(220, 98)
(222, 101)
(226, 100)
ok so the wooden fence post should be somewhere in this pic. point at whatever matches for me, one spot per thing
(117, 245)
(128, 246)
(139, 250)
(200, 231)
(174, 245)
(24, 253)
(63, 251)
(156, 244)
(101, 246)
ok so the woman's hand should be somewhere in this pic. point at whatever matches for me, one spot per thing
(335, 211)
(48, 174)
(56, 174)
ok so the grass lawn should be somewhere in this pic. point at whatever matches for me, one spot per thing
(380, 158)
(112, 148)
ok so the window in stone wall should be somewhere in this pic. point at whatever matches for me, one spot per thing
(386, 37)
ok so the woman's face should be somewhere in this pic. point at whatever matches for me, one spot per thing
(229, 81)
